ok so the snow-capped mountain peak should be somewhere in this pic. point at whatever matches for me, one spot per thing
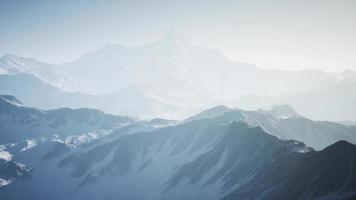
(174, 38)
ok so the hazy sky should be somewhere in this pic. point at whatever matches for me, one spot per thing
(288, 34)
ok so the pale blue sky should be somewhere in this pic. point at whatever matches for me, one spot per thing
(279, 34)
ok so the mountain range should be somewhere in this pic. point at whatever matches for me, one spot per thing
(171, 120)
(220, 153)
(173, 78)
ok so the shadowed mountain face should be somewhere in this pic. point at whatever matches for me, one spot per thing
(9, 171)
(48, 134)
(285, 123)
(20, 122)
(218, 156)
(328, 174)
(172, 78)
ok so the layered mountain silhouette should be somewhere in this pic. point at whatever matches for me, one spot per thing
(284, 122)
(289, 135)
(221, 153)
(173, 78)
